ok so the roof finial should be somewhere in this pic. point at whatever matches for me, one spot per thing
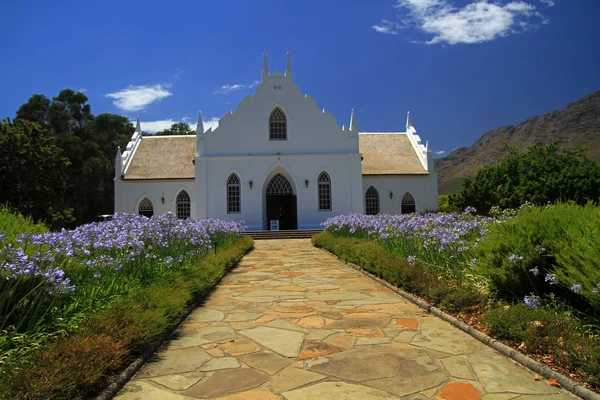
(353, 124)
(138, 127)
(408, 122)
(265, 68)
(200, 125)
(288, 67)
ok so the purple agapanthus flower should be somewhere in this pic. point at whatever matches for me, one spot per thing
(473, 262)
(550, 278)
(532, 301)
(576, 288)
(411, 260)
(515, 258)
(535, 271)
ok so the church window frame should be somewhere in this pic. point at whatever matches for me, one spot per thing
(277, 125)
(146, 208)
(279, 185)
(372, 201)
(183, 205)
(234, 197)
(408, 205)
(324, 191)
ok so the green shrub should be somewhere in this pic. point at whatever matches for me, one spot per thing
(12, 223)
(66, 369)
(562, 239)
(77, 366)
(548, 331)
(445, 206)
(541, 175)
(417, 279)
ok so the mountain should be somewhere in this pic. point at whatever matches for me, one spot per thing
(578, 125)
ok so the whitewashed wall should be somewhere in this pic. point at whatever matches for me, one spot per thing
(129, 194)
(422, 187)
(344, 171)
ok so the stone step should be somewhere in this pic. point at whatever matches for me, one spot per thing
(287, 234)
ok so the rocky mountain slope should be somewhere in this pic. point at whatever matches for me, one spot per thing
(578, 125)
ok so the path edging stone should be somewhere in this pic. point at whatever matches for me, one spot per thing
(566, 382)
(120, 380)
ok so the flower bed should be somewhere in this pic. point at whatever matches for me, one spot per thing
(104, 291)
(501, 274)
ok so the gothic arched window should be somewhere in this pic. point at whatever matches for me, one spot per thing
(277, 125)
(233, 194)
(183, 205)
(408, 204)
(279, 185)
(372, 201)
(146, 208)
(324, 183)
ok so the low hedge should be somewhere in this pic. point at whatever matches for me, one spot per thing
(374, 258)
(81, 365)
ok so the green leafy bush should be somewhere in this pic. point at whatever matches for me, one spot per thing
(546, 250)
(12, 223)
(539, 176)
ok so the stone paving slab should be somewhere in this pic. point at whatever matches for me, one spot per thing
(293, 322)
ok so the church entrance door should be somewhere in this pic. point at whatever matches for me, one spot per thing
(281, 203)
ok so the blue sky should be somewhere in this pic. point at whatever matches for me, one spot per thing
(460, 67)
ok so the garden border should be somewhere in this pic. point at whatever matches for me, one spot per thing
(566, 382)
(121, 379)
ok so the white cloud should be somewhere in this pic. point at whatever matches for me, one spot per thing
(82, 90)
(387, 27)
(440, 152)
(136, 98)
(160, 125)
(549, 3)
(227, 89)
(476, 22)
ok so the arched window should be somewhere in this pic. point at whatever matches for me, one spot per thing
(146, 208)
(372, 201)
(183, 205)
(233, 194)
(408, 204)
(324, 183)
(279, 185)
(277, 125)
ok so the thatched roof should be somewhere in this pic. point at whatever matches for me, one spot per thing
(388, 154)
(163, 157)
(171, 157)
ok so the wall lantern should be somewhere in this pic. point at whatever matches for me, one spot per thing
(391, 194)
(162, 198)
(306, 182)
(251, 184)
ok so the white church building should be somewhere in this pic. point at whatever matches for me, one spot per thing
(276, 162)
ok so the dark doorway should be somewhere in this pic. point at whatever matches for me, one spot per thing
(282, 208)
(281, 203)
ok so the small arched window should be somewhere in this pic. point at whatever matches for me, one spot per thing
(146, 208)
(277, 125)
(372, 201)
(233, 194)
(324, 183)
(408, 204)
(183, 205)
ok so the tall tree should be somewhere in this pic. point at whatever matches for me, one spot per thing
(35, 110)
(33, 170)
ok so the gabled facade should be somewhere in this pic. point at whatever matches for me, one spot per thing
(279, 158)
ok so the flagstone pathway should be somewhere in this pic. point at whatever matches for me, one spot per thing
(293, 322)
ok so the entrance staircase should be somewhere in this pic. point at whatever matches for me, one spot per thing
(285, 234)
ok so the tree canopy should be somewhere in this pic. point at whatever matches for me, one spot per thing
(178, 128)
(540, 175)
(45, 132)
